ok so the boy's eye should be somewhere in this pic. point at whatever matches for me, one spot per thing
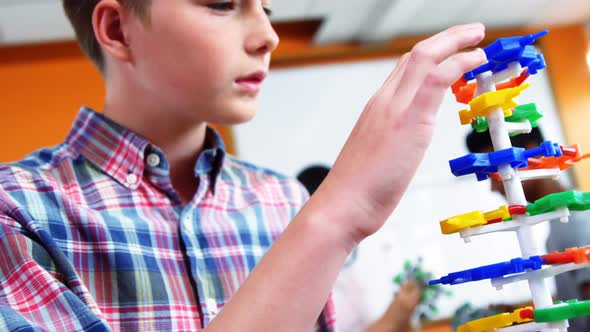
(268, 11)
(222, 6)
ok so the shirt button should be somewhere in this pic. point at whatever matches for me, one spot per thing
(153, 160)
(132, 179)
(212, 306)
(187, 222)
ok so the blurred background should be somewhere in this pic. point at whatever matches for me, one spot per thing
(333, 55)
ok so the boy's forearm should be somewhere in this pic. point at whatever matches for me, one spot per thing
(288, 295)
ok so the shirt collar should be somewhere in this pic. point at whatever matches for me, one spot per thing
(210, 161)
(120, 153)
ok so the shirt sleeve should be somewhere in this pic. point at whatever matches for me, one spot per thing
(31, 298)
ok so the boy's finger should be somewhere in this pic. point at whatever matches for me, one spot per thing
(450, 41)
(426, 55)
(393, 79)
(455, 66)
(388, 87)
(429, 96)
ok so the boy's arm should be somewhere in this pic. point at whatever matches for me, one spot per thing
(31, 299)
(327, 318)
(288, 288)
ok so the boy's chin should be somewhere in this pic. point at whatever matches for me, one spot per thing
(237, 113)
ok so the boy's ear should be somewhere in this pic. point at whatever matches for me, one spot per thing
(109, 21)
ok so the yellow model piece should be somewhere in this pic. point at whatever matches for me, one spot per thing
(500, 213)
(495, 322)
(485, 103)
(457, 223)
(471, 219)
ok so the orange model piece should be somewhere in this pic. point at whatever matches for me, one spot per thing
(571, 155)
(464, 91)
(570, 255)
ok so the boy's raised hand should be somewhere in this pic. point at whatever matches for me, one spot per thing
(389, 139)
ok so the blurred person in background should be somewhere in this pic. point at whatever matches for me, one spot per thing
(348, 291)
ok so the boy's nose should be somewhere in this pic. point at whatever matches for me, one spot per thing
(263, 38)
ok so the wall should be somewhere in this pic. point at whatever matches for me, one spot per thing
(565, 53)
(41, 89)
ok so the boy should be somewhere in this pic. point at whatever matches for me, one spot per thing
(575, 233)
(139, 221)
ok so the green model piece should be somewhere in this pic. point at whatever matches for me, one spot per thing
(523, 112)
(573, 200)
(480, 124)
(527, 112)
(571, 309)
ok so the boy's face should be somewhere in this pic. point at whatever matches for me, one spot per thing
(203, 60)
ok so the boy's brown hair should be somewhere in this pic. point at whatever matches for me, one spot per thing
(79, 12)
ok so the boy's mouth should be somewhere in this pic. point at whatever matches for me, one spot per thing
(251, 82)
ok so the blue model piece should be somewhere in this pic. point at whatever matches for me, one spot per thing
(511, 49)
(482, 164)
(516, 265)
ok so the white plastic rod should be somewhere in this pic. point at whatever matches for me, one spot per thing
(513, 186)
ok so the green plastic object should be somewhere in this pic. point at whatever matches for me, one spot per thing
(523, 112)
(571, 309)
(527, 112)
(430, 293)
(574, 200)
(480, 124)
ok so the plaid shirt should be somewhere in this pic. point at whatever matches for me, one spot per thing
(93, 236)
